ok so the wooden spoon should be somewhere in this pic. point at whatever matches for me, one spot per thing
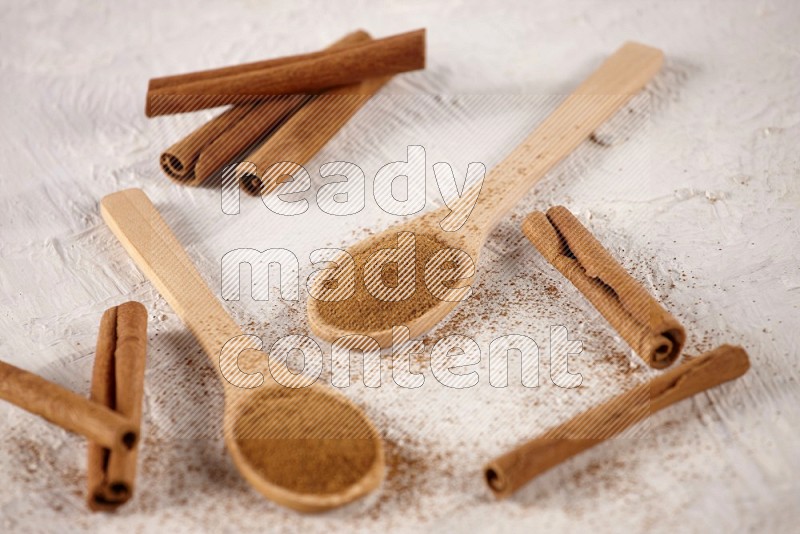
(607, 90)
(154, 248)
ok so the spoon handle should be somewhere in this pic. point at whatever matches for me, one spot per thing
(160, 256)
(602, 94)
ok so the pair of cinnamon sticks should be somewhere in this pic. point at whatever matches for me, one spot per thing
(111, 418)
(654, 334)
(284, 109)
(117, 383)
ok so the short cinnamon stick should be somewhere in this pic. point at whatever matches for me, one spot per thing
(655, 335)
(507, 473)
(307, 74)
(195, 158)
(117, 382)
(306, 132)
(65, 408)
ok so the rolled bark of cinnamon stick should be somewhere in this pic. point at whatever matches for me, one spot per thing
(507, 473)
(651, 331)
(195, 158)
(117, 382)
(178, 161)
(65, 408)
(165, 82)
(308, 73)
(102, 392)
(261, 122)
(306, 132)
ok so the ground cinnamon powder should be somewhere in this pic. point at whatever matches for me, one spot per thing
(305, 440)
(362, 312)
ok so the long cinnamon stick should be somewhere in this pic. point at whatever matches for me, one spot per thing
(655, 335)
(65, 408)
(165, 82)
(117, 382)
(309, 73)
(306, 132)
(195, 158)
(507, 473)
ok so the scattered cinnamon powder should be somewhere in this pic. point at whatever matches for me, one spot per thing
(362, 312)
(405, 470)
(305, 441)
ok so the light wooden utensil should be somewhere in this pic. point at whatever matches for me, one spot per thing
(152, 245)
(606, 91)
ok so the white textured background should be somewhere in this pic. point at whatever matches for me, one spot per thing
(701, 202)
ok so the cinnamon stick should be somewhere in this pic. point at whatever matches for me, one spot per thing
(653, 333)
(102, 392)
(65, 408)
(308, 73)
(117, 382)
(259, 123)
(178, 161)
(195, 158)
(175, 80)
(507, 473)
(305, 133)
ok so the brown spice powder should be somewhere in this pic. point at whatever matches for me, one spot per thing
(362, 312)
(305, 440)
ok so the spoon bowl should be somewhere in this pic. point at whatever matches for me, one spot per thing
(298, 459)
(426, 225)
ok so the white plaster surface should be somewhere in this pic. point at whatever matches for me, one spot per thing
(698, 194)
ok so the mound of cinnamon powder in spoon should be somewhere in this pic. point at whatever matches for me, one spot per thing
(363, 312)
(305, 440)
